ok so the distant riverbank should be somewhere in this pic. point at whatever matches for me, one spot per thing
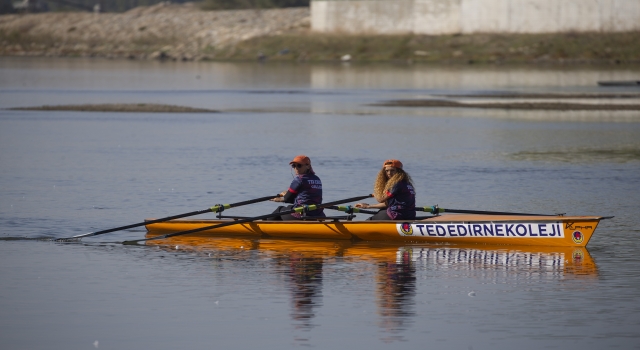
(519, 101)
(183, 32)
(119, 107)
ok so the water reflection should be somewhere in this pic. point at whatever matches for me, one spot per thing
(545, 262)
(395, 293)
(305, 284)
(301, 262)
(394, 268)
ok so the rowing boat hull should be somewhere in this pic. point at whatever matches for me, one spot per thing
(457, 229)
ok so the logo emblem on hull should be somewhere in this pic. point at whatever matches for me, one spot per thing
(406, 229)
(577, 236)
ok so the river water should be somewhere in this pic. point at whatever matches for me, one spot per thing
(68, 173)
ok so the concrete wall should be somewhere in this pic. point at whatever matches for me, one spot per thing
(474, 16)
(364, 16)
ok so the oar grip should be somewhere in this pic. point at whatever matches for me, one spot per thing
(219, 207)
(305, 208)
(348, 209)
(432, 210)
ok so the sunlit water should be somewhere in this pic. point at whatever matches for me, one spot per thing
(68, 173)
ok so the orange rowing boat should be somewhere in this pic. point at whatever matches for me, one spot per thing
(448, 228)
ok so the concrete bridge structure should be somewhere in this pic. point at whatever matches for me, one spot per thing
(436, 17)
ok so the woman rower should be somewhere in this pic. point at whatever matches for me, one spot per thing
(305, 189)
(394, 191)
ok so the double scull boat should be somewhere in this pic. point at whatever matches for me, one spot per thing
(448, 228)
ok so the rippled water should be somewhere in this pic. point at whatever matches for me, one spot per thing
(67, 173)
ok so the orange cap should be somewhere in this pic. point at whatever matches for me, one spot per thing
(392, 162)
(301, 159)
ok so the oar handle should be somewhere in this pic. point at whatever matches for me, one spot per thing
(261, 217)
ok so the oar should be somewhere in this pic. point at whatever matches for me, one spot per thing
(261, 217)
(437, 210)
(351, 209)
(216, 208)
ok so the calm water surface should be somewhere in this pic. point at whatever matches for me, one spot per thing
(68, 173)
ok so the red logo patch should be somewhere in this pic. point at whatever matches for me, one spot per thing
(406, 229)
(577, 236)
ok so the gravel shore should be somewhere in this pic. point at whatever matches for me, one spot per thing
(163, 31)
(184, 32)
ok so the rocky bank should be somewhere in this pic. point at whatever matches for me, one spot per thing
(171, 31)
(184, 32)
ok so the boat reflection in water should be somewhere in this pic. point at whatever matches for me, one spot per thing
(397, 266)
(304, 281)
(547, 262)
(302, 263)
(395, 293)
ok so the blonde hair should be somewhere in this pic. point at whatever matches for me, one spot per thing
(382, 184)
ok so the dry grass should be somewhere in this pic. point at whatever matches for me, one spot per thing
(575, 48)
(479, 48)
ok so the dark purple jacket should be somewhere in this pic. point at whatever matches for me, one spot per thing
(401, 202)
(305, 189)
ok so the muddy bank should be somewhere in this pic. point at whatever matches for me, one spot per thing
(163, 31)
(131, 107)
(183, 32)
(532, 106)
(585, 96)
(525, 101)
(516, 101)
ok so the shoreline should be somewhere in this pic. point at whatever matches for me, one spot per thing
(526, 101)
(506, 101)
(183, 32)
(526, 106)
(118, 107)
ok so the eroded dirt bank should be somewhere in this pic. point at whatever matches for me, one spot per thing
(184, 32)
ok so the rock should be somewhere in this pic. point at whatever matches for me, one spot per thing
(158, 55)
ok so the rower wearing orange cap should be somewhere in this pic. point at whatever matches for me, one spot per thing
(394, 192)
(305, 189)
